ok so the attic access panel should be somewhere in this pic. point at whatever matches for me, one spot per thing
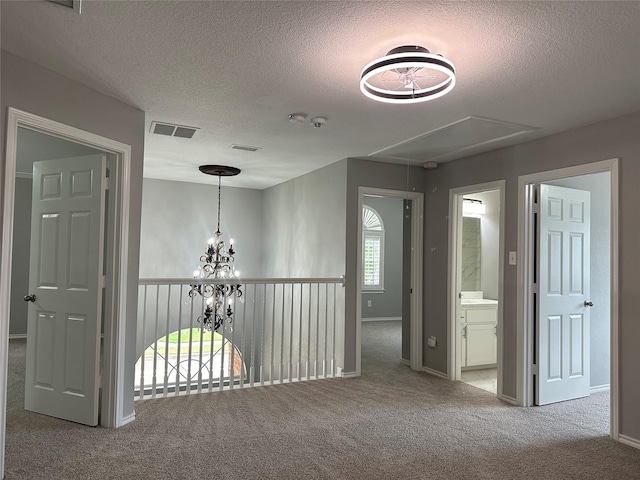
(454, 138)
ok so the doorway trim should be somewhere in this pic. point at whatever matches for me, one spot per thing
(524, 356)
(453, 327)
(417, 255)
(113, 387)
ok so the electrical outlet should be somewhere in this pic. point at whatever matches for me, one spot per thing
(368, 303)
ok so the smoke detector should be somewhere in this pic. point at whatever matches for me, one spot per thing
(318, 122)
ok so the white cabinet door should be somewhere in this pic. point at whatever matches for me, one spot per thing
(481, 344)
(562, 324)
(63, 329)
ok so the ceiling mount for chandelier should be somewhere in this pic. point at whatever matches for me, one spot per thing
(408, 74)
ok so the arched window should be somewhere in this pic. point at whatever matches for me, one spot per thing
(372, 250)
(185, 359)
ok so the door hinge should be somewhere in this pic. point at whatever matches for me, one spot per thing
(534, 369)
(106, 183)
(536, 207)
(102, 282)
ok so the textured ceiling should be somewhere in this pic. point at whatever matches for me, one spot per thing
(237, 69)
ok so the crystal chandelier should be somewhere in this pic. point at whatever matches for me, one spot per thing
(217, 262)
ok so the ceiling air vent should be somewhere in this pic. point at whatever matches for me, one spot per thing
(172, 130)
(72, 4)
(246, 148)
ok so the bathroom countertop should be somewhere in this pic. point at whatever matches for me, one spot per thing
(478, 301)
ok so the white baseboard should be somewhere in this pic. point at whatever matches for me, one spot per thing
(435, 373)
(349, 374)
(16, 336)
(508, 399)
(128, 419)
(381, 319)
(405, 362)
(599, 388)
(629, 441)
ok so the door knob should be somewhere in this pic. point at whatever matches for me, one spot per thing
(587, 303)
(30, 298)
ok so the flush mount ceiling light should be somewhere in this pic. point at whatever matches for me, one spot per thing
(408, 74)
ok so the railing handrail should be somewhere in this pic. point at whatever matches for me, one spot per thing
(244, 281)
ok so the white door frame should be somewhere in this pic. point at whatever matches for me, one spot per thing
(113, 388)
(453, 327)
(417, 255)
(524, 345)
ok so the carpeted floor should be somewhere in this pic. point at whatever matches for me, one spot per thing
(391, 423)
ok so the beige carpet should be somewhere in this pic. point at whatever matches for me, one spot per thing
(391, 423)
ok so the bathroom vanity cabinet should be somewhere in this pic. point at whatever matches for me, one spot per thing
(479, 321)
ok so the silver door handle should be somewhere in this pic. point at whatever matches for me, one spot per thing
(587, 303)
(30, 298)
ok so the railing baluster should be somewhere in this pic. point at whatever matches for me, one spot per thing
(300, 335)
(166, 344)
(177, 367)
(281, 373)
(232, 348)
(317, 337)
(308, 371)
(273, 334)
(264, 316)
(225, 299)
(190, 356)
(253, 338)
(292, 289)
(201, 346)
(326, 327)
(143, 344)
(243, 344)
(333, 342)
(155, 347)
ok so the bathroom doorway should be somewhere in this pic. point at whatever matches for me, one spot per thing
(476, 255)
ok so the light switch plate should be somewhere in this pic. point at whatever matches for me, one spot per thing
(513, 258)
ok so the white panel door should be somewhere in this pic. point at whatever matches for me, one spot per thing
(562, 323)
(65, 288)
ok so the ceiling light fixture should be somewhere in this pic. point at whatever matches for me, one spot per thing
(408, 74)
(217, 262)
(297, 118)
(472, 207)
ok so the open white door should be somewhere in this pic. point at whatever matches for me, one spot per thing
(65, 288)
(562, 320)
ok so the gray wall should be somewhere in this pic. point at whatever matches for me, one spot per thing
(598, 185)
(613, 138)
(179, 218)
(304, 232)
(31, 88)
(20, 256)
(387, 303)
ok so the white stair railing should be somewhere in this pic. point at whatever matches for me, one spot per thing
(282, 330)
